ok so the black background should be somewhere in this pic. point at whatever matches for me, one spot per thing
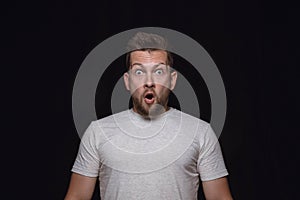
(254, 44)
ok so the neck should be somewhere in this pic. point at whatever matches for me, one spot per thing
(153, 112)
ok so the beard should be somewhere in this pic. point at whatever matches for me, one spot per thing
(152, 110)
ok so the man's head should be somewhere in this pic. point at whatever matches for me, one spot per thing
(150, 76)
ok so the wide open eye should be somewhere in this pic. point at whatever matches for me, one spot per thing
(138, 72)
(159, 72)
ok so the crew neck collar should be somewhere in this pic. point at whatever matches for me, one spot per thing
(138, 116)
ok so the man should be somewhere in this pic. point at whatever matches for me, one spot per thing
(151, 151)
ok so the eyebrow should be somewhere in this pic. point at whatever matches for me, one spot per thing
(141, 65)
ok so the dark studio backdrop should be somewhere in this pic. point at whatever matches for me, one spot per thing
(254, 44)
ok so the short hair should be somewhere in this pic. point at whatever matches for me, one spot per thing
(142, 41)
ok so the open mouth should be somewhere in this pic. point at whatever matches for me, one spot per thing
(149, 98)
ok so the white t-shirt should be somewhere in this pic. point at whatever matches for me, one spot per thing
(162, 158)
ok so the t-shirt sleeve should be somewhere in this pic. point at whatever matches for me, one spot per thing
(210, 163)
(87, 162)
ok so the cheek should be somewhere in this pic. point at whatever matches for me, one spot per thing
(161, 90)
(165, 82)
(135, 85)
(137, 92)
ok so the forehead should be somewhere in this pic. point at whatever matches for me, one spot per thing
(157, 56)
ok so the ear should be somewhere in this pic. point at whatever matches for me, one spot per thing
(126, 80)
(173, 80)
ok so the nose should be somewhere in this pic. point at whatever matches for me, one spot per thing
(149, 83)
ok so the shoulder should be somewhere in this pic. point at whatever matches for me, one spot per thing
(190, 121)
(100, 130)
(110, 124)
(111, 120)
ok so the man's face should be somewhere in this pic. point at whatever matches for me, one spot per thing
(149, 81)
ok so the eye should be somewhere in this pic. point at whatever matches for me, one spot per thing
(138, 72)
(159, 71)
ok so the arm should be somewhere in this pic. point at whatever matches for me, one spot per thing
(217, 189)
(81, 187)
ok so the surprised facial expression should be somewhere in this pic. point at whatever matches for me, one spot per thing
(149, 81)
